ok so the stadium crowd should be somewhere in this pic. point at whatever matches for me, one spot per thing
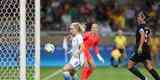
(110, 14)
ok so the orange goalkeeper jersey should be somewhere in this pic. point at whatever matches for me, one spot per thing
(91, 40)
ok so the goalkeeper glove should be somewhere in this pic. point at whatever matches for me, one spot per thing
(100, 58)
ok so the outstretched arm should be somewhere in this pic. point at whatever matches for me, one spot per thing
(65, 44)
(96, 49)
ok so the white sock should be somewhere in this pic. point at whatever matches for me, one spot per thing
(67, 76)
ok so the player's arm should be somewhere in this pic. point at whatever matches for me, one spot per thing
(65, 44)
(96, 49)
(142, 39)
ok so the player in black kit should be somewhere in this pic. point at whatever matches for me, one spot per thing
(142, 49)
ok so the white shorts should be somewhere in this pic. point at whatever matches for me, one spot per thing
(77, 62)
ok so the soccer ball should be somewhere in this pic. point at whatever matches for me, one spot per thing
(49, 48)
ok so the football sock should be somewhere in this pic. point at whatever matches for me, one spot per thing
(137, 73)
(154, 74)
(86, 72)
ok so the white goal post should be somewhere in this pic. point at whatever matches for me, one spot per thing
(33, 12)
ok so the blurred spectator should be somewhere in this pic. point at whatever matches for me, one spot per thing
(120, 43)
(119, 19)
(50, 15)
(105, 29)
(116, 12)
(130, 14)
(73, 12)
(56, 11)
(154, 49)
(66, 19)
(86, 9)
(100, 11)
(152, 13)
(108, 12)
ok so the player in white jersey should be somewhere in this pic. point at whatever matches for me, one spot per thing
(77, 41)
(76, 60)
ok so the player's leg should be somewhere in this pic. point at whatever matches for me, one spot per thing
(152, 71)
(134, 70)
(88, 66)
(73, 66)
(67, 68)
(70, 75)
(67, 75)
(69, 72)
(87, 71)
(122, 55)
(148, 62)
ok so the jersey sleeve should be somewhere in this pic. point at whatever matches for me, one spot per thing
(96, 48)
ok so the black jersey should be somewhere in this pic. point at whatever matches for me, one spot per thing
(145, 55)
(147, 32)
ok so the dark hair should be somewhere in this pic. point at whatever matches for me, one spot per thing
(142, 12)
(88, 27)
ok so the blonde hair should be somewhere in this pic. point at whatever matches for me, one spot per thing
(78, 26)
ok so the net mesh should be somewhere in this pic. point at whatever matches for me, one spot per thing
(30, 57)
(10, 40)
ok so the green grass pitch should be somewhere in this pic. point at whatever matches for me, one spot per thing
(101, 73)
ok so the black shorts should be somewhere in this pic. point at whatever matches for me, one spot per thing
(145, 55)
(121, 50)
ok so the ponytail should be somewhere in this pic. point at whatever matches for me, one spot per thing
(78, 26)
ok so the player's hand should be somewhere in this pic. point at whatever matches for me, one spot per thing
(140, 50)
(100, 58)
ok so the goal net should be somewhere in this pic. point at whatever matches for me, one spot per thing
(19, 39)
